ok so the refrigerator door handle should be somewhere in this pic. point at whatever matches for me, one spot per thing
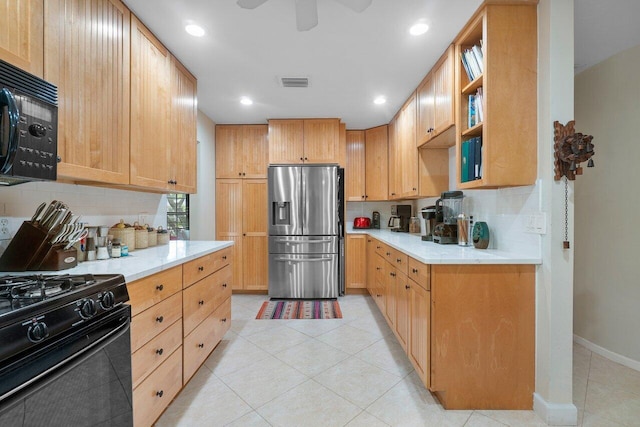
(300, 242)
(285, 259)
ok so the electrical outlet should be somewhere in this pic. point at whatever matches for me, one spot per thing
(5, 234)
(142, 218)
(536, 223)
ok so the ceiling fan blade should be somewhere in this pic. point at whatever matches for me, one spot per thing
(250, 4)
(306, 14)
(355, 5)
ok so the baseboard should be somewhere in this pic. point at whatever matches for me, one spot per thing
(618, 358)
(555, 414)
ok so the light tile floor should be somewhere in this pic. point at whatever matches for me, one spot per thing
(352, 372)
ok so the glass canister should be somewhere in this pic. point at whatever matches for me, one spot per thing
(414, 225)
(463, 230)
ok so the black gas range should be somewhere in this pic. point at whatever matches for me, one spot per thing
(68, 334)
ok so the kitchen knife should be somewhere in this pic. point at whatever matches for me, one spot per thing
(39, 210)
(47, 213)
(56, 220)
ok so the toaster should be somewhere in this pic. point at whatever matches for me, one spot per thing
(361, 222)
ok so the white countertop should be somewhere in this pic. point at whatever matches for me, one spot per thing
(434, 253)
(144, 262)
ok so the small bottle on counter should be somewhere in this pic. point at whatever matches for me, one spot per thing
(116, 250)
(124, 250)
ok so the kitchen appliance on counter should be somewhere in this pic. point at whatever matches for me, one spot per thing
(399, 220)
(28, 127)
(375, 220)
(306, 231)
(65, 357)
(429, 215)
(448, 207)
(362, 222)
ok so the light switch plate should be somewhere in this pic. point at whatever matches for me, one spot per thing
(536, 223)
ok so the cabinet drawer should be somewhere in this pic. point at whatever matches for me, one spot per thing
(381, 248)
(151, 290)
(154, 320)
(399, 260)
(203, 339)
(152, 354)
(420, 273)
(155, 393)
(195, 270)
(201, 299)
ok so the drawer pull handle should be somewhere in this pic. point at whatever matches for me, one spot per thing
(224, 319)
(388, 253)
(377, 247)
(159, 393)
(159, 352)
(159, 319)
(415, 270)
(398, 260)
(407, 287)
(201, 302)
(160, 287)
(224, 257)
(201, 345)
(224, 285)
(201, 268)
(378, 268)
(392, 274)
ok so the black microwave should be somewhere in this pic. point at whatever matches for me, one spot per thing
(28, 127)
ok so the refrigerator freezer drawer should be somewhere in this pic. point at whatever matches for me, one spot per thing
(303, 244)
(303, 276)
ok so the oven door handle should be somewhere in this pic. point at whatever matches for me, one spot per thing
(11, 145)
(69, 363)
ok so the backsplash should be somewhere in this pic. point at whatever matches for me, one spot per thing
(96, 205)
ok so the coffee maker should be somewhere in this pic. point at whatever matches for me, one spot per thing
(429, 215)
(448, 207)
(399, 220)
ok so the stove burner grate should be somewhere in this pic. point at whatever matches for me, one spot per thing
(40, 287)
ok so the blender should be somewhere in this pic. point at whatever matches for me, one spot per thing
(448, 207)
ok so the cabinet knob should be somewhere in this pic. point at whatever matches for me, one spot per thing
(301, 159)
(407, 287)
(201, 302)
(362, 196)
(414, 270)
(239, 173)
(224, 257)
(366, 197)
(201, 345)
(378, 268)
(160, 287)
(388, 253)
(201, 268)
(159, 393)
(224, 285)
(159, 319)
(415, 189)
(392, 274)
(305, 159)
(224, 319)
(159, 351)
(398, 260)
(393, 194)
(244, 234)
(377, 247)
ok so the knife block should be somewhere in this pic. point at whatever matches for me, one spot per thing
(30, 249)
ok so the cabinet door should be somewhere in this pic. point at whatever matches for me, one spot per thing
(150, 102)
(409, 152)
(229, 221)
(426, 105)
(229, 156)
(354, 173)
(371, 266)
(286, 141)
(419, 341)
(356, 252)
(377, 163)
(255, 151)
(402, 309)
(21, 34)
(184, 116)
(322, 141)
(254, 235)
(91, 68)
(395, 165)
(443, 78)
(390, 294)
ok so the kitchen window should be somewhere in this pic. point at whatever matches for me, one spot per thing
(178, 216)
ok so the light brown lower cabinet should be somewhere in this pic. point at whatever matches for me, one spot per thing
(356, 265)
(468, 330)
(179, 316)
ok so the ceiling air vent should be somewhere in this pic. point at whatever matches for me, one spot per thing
(294, 82)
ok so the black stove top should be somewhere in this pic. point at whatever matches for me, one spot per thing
(35, 308)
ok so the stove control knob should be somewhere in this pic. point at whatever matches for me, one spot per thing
(108, 300)
(87, 308)
(38, 332)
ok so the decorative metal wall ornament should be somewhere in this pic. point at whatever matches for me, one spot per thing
(570, 149)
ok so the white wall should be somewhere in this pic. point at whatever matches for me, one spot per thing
(607, 203)
(202, 205)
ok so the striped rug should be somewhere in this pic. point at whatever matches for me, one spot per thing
(300, 309)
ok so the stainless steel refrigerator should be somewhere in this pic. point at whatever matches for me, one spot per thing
(306, 233)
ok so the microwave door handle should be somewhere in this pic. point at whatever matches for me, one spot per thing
(6, 98)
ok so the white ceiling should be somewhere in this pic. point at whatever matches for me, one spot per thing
(350, 58)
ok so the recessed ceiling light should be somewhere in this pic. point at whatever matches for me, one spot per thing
(194, 30)
(246, 100)
(419, 28)
(380, 100)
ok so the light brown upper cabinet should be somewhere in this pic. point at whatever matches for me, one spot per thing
(395, 162)
(298, 141)
(354, 173)
(22, 34)
(377, 163)
(406, 168)
(184, 114)
(90, 66)
(242, 151)
(507, 34)
(435, 126)
(163, 135)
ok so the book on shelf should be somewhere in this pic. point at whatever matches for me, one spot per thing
(477, 159)
(477, 55)
(471, 159)
(472, 118)
(464, 162)
(466, 66)
(478, 105)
